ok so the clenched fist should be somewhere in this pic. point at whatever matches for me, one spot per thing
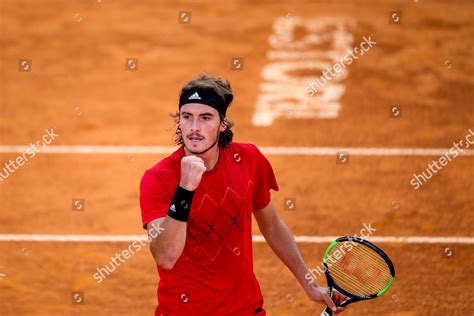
(192, 169)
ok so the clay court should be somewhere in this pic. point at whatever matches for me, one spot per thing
(106, 74)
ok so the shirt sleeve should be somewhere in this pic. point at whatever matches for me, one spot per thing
(155, 198)
(265, 180)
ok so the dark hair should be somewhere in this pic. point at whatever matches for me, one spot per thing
(223, 89)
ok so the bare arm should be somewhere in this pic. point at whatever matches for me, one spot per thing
(167, 246)
(282, 242)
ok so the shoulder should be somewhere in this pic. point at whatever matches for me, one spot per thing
(244, 148)
(248, 154)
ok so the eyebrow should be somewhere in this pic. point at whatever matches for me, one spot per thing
(202, 114)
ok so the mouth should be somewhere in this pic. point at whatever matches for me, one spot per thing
(195, 139)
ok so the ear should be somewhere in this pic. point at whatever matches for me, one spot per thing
(223, 126)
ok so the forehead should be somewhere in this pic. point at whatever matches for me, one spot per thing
(198, 108)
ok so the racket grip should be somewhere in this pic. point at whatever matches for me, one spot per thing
(327, 312)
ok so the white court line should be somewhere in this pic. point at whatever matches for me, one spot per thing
(288, 151)
(255, 238)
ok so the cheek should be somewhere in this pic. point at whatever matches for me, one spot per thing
(210, 128)
(184, 126)
(216, 128)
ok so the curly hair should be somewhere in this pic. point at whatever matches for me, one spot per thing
(223, 89)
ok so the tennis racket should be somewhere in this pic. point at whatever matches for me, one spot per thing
(358, 269)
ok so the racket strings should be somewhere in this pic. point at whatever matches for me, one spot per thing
(362, 282)
(367, 267)
(359, 270)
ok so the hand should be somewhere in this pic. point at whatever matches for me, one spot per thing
(319, 295)
(192, 169)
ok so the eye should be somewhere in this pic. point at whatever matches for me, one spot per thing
(206, 118)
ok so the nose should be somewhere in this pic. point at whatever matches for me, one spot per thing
(195, 126)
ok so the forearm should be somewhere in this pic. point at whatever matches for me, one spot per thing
(284, 245)
(168, 246)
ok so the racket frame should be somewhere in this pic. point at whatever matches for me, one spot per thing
(354, 297)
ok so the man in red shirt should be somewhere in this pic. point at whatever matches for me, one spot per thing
(203, 196)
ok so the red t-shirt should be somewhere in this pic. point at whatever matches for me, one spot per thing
(214, 275)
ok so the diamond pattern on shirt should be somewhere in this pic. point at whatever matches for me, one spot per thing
(215, 225)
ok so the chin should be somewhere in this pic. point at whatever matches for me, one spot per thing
(192, 147)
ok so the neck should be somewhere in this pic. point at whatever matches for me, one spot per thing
(210, 157)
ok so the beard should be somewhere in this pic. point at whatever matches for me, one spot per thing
(207, 149)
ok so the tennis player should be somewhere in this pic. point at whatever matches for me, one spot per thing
(203, 196)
